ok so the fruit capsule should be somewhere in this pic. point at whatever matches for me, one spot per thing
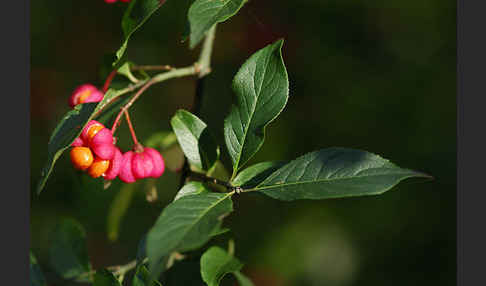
(115, 165)
(157, 160)
(81, 157)
(78, 142)
(142, 165)
(98, 168)
(90, 130)
(85, 93)
(126, 174)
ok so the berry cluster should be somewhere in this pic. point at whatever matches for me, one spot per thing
(95, 151)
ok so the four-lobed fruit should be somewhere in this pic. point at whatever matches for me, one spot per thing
(94, 150)
(138, 165)
(100, 139)
(85, 93)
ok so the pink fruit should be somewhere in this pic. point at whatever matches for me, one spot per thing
(78, 142)
(104, 136)
(142, 165)
(104, 151)
(115, 165)
(126, 174)
(85, 93)
(157, 160)
(90, 130)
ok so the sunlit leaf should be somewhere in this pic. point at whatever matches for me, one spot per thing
(334, 173)
(262, 88)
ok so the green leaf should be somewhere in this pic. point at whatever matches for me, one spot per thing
(262, 89)
(36, 276)
(104, 277)
(68, 129)
(184, 225)
(192, 188)
(203, 14)
(161, 140)
(137, 13)
(242, 279)
(141, 250)
(215, 263)
(255, 174)
(125, 70)
(142, 277)
(118, 208)
(67, 252)
(334, 173)
(218, 171)
(195, 140)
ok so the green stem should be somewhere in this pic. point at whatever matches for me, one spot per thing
(204, 62)
(203, 67)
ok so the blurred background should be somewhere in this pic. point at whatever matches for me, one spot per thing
(373, 75)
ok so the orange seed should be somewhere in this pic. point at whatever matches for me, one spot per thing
(81, 157)
(98, 168)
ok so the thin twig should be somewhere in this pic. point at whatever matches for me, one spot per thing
(132, 130)
(152, 68)
(203, 68)
(108, 80)
(129, 103)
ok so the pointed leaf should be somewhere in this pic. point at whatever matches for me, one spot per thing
(262, 88)
(334, 173)
(215, 263)
(195, 140)
(104, 277)
(137, 13)
(142, 278)
(67, 252)
(255, 174)
(125, 69)
(203, 14)
(185, 224)
(35, 273)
